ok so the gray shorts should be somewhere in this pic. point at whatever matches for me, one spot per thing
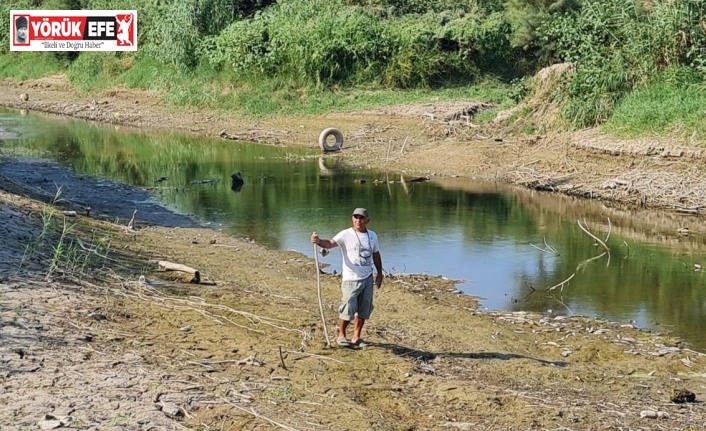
(357, 299)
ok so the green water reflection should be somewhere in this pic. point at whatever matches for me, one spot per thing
(482, 234)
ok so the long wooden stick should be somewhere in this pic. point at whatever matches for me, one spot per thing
(318, 289)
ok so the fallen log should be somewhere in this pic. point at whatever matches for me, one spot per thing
(171, 266)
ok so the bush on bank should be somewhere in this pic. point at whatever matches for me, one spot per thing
(198, 50)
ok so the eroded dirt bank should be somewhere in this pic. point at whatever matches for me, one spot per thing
(113, 350)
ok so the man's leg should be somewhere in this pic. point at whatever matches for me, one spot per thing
(365, 308)
(349, 306)
(342, 326)
(358, 323)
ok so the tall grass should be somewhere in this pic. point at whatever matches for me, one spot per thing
(671, 105)
(29, 65)
(98, 70)
(67, 255)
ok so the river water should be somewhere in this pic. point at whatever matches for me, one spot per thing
(507, 246)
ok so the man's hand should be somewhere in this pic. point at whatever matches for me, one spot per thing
(315, 238)
(378, 280)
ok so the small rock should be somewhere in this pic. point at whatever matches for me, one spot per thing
(49, 424)
(97, 315)
(682, 396)
(651, 414)
(185, 329)
(171, 410)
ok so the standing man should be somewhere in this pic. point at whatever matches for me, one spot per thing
(21, 24)
(360, 251)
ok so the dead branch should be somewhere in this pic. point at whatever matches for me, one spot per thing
(562, 283)
(281, 358)
(593, 236)
(131, 224)
(404, 144)
(561, 302)
(587, 261)
(171, 266)
(548, 249)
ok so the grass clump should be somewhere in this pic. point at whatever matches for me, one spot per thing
(67, 255)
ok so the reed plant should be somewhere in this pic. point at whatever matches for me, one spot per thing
(68, 255)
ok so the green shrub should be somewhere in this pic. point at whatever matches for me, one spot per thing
(399, 8)
(483, 41)
(315, 42)
(418, 58)
(242, 46)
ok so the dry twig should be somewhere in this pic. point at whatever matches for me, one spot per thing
(259, 416)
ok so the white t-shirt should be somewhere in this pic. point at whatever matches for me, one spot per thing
(357, 249)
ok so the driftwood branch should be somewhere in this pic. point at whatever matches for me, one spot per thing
(171, 266)
(131, 224)
(144, 292)
(560, 301)
(593, 236)
(547, 248)
(562, 283)
(589, 260)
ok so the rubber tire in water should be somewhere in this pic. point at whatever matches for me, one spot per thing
(323, 139)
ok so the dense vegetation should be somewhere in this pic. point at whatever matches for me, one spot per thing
(637, 64)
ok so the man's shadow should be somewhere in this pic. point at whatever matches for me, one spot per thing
(421, 355)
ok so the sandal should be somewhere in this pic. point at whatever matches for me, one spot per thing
(341, 341)
(360, 343)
